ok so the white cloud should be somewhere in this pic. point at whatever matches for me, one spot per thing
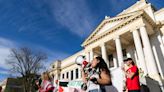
(5, 46)
(52, 56)
(4, 72)
(6, 42)
(75, 15)
(4, 53)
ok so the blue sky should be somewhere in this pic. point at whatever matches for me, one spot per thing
(57, 27)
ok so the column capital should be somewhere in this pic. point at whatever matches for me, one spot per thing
(102, 44)
(143, 25)
(137, 27)
(134, 29)
(89, 50)
(116, 37)
(162, 30)
(86, 51)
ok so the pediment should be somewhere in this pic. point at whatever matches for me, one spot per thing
(107, 24)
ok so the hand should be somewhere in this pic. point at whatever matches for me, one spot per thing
(37, 82)
(123, 68)
(94, 80)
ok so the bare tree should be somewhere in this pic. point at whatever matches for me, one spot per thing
(26, 63)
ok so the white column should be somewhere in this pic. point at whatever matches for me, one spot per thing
(161, 42)
(87, 56)
(157, 61)
(79, 71)
(104, 53)
(69, 73)
(152, 70)
(119, 50)
(162, 50)
(91, 55)
(74, 74)
(120, 60)
(162, 36)
(115, 60)
(58, 76)
(136, 58)
(140, 53)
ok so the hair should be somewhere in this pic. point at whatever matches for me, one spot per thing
(102, 65)
(46, 75)
(130, 60)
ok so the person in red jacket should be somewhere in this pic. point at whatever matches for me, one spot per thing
(132, 76)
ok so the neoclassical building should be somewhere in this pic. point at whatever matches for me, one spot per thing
(136, 32)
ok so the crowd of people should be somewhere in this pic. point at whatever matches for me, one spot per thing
(100, 81)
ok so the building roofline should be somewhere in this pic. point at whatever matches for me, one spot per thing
(159, 11)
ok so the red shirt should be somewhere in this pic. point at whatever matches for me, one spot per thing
(133, 83)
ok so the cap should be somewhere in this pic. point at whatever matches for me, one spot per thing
(127, 59)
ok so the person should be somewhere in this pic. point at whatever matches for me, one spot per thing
(132, 76)
(55, 84)
(0, 88)
(99, 81)
(46, 85)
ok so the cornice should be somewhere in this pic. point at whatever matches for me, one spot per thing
(68, 65)
(162, 23)
(159, 24)
(138, 3)
(72, 56)
(148, 19)
(159, 11)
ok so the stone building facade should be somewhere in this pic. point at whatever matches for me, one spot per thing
(136, 32)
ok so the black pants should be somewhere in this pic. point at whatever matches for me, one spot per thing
(133, 90)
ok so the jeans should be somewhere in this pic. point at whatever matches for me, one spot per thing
(133, 90)
(94, 90)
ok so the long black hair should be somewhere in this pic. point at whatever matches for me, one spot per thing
(102, 65)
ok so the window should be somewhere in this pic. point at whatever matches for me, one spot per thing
(67, 75)
(77, 73)
(111, 63)
(72, 75)
(124, 52)
(53, 66)
(59, 75)
(52, 75)
(63, 75)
